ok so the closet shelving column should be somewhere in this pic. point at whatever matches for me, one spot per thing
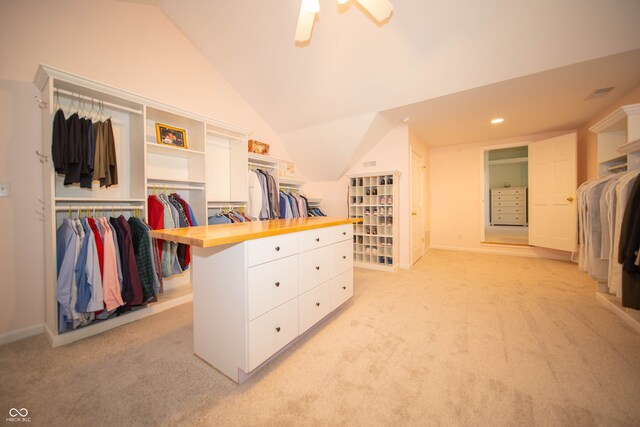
(226, 160)
(127, 113)
(618, 151)
(371, 197)
(177, 169)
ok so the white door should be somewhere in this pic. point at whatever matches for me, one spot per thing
(552, 191)
(417, 201)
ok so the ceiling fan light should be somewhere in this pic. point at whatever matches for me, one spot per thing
(342, 1)
(311, 6)
(305, 26)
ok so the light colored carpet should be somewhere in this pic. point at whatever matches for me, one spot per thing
(507, 234)
(461, 339)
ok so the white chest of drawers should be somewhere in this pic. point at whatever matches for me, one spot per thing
(509, 206)
(251, 299)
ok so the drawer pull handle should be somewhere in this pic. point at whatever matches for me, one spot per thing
(344, 233)
(317, 267)
(317, 304)
(278, 329)
(277, 284)
(344, 257)
(344, 287)
(277, 248)
(317, 239)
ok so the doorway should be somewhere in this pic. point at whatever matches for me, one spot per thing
(506, 185)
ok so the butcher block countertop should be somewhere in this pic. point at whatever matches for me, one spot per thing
(206, 236)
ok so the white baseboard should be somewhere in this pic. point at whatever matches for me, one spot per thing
(21, 334)
(525, 252)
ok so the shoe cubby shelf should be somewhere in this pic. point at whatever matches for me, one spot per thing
(374, 198)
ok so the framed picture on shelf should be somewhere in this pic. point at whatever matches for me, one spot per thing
(169, 135)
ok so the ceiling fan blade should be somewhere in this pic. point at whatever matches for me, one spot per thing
(379, 9)
(305, 26)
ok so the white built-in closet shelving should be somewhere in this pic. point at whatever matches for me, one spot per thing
(619, 150)
(212, 169)
(374, 198)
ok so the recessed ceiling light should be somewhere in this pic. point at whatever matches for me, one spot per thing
(497, 120)
(405, 119)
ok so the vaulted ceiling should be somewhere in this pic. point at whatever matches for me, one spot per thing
(450, 65)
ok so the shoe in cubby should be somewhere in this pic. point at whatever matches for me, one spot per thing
(375, 212)
(390, 211)
(390, 200)
(383, 200)
(382, 212)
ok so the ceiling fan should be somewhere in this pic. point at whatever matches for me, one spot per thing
(379, 9)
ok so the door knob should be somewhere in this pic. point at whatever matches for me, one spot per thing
(569, 199)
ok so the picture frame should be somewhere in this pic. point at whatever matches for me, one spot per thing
(258, 147)
(170, 135)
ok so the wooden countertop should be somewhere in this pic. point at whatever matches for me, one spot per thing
(206, 236)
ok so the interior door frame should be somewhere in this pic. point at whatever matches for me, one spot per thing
(485, 184)
(421, 213)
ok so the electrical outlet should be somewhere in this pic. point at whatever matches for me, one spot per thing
(5, 189)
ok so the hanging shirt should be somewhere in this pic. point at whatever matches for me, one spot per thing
(110, 279)
(59, 142)
(255, 202)
(73, 152)
(129, 257)
(144, 258)
(66, 257)
(629, 248)
(264, 210)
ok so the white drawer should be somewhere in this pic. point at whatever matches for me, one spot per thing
(505, 191)
(272, 284)
(314, 267)
(272, 331)
(340, 233)
(342, 255)
(509, 197)
(508, 210)
(498, 203)
(313, 239)
(341, 289)
(508, 219)
(314, 305)
(271, 248)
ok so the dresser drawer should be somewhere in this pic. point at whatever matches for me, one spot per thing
(341, 289)
(340, 233)
(313, 239)
(314, 305)
(314, 267)
(272, 331)
(508, 210)
(508, 197)
(508, 191)
(268, 249)
(271, 284)
(508, 219)
(507, 203)
(342, 255)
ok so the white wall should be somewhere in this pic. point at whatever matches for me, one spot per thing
(131, 46)
(514, 173)
(392, 153)
(457, 199)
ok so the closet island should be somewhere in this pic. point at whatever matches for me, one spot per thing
(257, 286)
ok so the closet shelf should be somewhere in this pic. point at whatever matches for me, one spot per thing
(167, 181)
(88, 200)
(630, 147)
(167, 150)
(291, 182)
(509, 161)
(261, 160)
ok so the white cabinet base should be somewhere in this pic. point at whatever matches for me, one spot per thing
(233, 331)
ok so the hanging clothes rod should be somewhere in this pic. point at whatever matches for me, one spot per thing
(90, 99)
(617, 167)
(262, 165)
(99, 208)
(172, 187)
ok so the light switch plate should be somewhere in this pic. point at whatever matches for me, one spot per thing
(5, 189)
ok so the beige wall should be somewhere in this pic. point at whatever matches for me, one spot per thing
(588, 141)
(457, 197)
(131, 46)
